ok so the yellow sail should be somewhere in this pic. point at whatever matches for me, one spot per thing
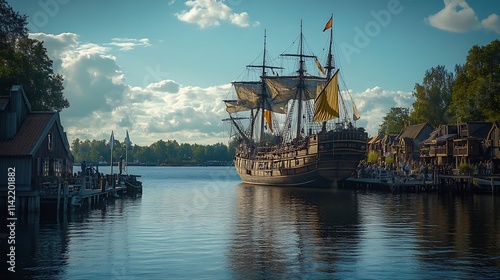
(327, 101)
(267, 116)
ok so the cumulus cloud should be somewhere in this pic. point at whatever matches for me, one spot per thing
(492, 22)
(374, 104)
(207, 13)
(101, 100)
(458, 16)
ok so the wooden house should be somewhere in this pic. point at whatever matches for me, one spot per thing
(492, 142)
(408, 143)
(35, 144)
(439, 146)
(469, 145)
(374, 145)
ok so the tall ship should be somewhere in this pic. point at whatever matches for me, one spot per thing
(295, 129)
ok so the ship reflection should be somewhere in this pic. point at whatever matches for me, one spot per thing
(280, 232)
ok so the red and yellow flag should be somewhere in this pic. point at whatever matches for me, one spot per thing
(267, 116)
(328, 24)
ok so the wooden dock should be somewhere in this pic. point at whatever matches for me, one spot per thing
(88, 191)
(441, 183)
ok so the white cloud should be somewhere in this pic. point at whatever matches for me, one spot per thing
(458, 16)
(101, 101)
(374, 104)
(492, 22)
(207, 13)
(126, 44)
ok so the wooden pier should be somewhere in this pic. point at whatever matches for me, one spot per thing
(88, 191)
(440, 183)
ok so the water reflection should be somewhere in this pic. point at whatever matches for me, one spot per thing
(287, 233)
(281, 232)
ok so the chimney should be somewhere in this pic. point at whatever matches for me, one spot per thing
(16, 100)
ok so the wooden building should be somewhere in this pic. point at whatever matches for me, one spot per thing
(492, 142)
(438, 147)
(469, 145)
(35, 144)
(408, 143)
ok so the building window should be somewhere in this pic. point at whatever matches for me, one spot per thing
(49, 141)
(57, 167)
(46, 167)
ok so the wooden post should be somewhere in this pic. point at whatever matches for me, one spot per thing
(58, 197)
(492, 186)
(66, 193)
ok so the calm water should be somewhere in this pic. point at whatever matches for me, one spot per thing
(202, 223)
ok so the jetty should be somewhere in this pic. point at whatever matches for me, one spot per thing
(88, 190)
(439, 182)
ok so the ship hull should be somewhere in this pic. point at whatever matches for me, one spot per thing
(320, 160)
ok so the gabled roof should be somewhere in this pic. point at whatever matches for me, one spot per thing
(375, 139)
(30, 136)
(412, 131)
(481, 129)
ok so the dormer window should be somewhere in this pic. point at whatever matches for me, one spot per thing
(49, 142)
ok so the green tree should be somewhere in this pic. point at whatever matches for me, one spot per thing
(433, 97)
(395, 121)
(24, 61)
(476, 88)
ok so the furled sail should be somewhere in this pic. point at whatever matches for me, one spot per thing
(285, 88)
(327, 101)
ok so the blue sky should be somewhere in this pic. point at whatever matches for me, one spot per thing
(161, 68)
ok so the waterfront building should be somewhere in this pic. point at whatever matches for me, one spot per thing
(35, 144)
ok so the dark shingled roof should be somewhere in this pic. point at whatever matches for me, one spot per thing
(412, 131)
(29, 135)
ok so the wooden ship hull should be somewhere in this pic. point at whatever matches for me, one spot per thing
(319, 160)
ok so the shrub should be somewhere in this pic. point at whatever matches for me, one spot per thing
(372, 157)
(465, 168)
(389, 160)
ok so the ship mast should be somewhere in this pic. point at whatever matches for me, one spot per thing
(329, 66)
(264, 94)
(301, 86)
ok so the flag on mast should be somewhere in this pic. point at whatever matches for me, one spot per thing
(328, 24)
(127, 143)
(111, 140)
(355, 113)
(127, 140)
(320, 68)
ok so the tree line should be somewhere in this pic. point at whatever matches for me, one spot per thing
(24, 61)
(470, 93)
(161, 152)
